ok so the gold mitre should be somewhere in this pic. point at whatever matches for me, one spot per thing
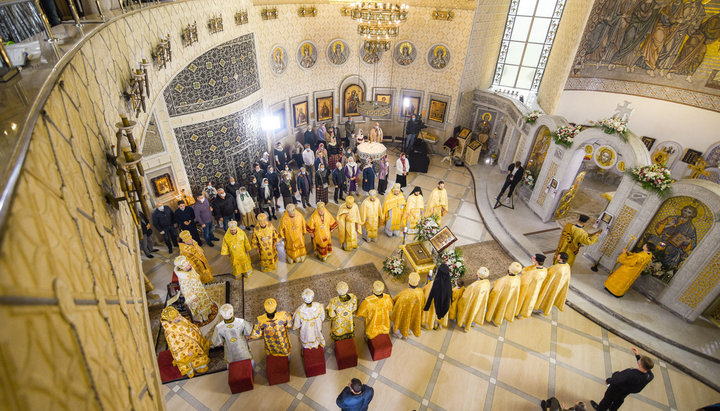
(185, 235)
(414, 279)
(378, 287)
(270, 305)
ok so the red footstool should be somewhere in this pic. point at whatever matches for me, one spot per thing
(313, 361)
(346, 353)
(380, 347)
(278, 369)
(168, 372)
(240, 376)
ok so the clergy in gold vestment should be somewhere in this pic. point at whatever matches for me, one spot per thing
(503, 300)
(438, 202)
(555, 287)
(341, 310)
(632, 266)
(376, 311)
(320, 226)
(371, 216)
(196, 298)
(414, 209)
(349, 223)
(457, 293)
(236, 245)
(186, 343)
(292, 231)
(393, 211)
(265, 239)
(531, 282)
(573, 237)
(407, 308)
(195, 254)
(472, 305)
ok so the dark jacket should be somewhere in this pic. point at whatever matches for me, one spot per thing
(368, 178)
(274, 182)
(264, 164)
(309, 138)
(509, 176)
(304, 184)
(322, 178)
(182, 216)
(414, 126)
(338, 177)
(231, 189)
(440, 292)
(162, 220)
(281, 158)
(286, 187)
(347, 401)
(264, 200)
(253, 190)
(224, 207)
(203, 215)
(259, 175)
(518, 176)
(629, 381)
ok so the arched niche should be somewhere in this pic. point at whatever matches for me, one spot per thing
(562, 164)
(697, 283)
(712, 155)
(527, 141)
(539, 149)
(353, 80)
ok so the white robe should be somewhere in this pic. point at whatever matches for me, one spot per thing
(309, 319)
(246, 204)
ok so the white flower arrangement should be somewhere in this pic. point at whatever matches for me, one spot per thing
(455, 261)
(427, 228)
(532, 116)
(394, 265)
(613, 125)
(565, 135)
(528, 179)
(654, 177)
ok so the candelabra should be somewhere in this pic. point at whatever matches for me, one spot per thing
(215, 25)
(241, 17)
(162, 53)
(269, 13)
(307, 11)
(138, 89)
(189, 34)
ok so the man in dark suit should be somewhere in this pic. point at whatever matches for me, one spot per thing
(185, 220)
(514, 176)
(355, 397)
(626, 382)
(162, 219)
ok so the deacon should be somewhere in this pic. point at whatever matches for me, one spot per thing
(371, 216)
(393, 211)
(503, 300)
(349, 221)
(472, 306)
(273, 328)
(195, 254)
(341, 310)
(351, 173)
(531, 282)
(376, 311)
(632, 265)
(246, 207)
(233, 333)
(438, 296)
(573, 237)
(236, 245)
(437, 203)
(556, 286)
(408, 308)
(196, 297)
(265, 239)
(185, 219)
(187, 345)
(292, 231)
(320, 226)
(308, 319)
(414, 209)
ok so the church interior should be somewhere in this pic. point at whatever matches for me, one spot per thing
(466, 139)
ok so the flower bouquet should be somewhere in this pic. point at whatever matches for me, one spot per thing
(427, 228)
(394, 266)
(455, 261)
(532, 116)
(529, 179)
(613, 126)
(564, 136)
(654, 177)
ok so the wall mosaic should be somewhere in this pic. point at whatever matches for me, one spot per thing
(278, 59)
(338, 52)
(669, 49)
(307, 54)
(153, 140)
(621, 224)
(217, 149)
(438, 57)
(703, 284)
(404, 53)
(220, 76)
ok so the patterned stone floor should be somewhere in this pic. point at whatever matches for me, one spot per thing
(511, 367)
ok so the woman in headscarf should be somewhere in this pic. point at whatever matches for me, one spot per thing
(414, 209)
(265, 198)
(246, 207)
(383, 171)
(334, 150)
(321, 157)
(438, 295)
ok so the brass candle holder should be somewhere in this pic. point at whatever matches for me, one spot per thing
(138, 89)
(307, 11)
(446, 15)
(215, 25)
(162, 53)
(241, 17)
(189, 34)
(269, 13)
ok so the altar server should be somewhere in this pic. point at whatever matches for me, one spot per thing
(473, 303)
(632, 265)
(531, 282)
(376, 310)
(503, 301)
(320, 225)
(408, 308)
(555, 287)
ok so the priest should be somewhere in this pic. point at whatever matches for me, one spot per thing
(472, 306)
(320, 226)
(503, 300)
(438, 202)
(414, 209)
(371, 216)
(555, 287)
(352, 172)
(292, 231)
(236, 245)
(196, 298)
(265, 239)
(195, 254)
(393, 211)
(308, 318)
(349, 221)
(531, 282)
(186, 343)
(341, 310)
(273, 328)
(573, 237)
(408, 308)
(632, 265)
(376, 311)
(232, 333)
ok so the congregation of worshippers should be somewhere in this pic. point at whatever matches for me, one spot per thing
(244, 212)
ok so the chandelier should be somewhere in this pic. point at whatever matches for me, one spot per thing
(377, 22)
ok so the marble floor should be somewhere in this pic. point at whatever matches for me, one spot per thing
(511, 367)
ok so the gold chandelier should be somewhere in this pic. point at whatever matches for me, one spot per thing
(377, 22)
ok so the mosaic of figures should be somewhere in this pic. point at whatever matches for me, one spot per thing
(677, 228)
(671, 43)
(217, 149)
(222, 75)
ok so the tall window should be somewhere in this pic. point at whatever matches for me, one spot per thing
(529, 34)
